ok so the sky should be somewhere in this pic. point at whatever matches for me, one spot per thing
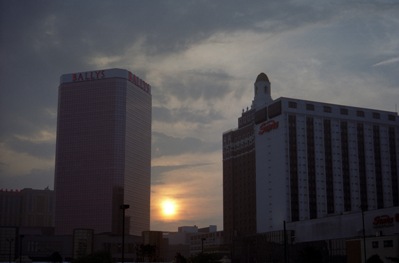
(201, 59)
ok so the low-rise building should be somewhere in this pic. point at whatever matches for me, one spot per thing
(27, 207)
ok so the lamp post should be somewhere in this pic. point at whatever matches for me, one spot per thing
(202, 244)
(364, 233)
(285, 244)
(20, 248)
(10, 240)
(123, 207)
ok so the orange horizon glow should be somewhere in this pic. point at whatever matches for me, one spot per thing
(169, 209)
(192, 188)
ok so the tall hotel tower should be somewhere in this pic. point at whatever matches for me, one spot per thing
(295, 160)
(103, 152)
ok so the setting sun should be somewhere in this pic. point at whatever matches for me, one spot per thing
(168, 208)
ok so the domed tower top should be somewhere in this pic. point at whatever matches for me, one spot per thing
(262, 91)
(262, 77)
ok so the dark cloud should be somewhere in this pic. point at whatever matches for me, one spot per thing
(162, 114)
(45, 39)
(185, 114)
(36, 179)
(39, 149)
(208, 85)
(168, 145)
(157, 172)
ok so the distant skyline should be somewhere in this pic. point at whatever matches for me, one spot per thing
(201, 59)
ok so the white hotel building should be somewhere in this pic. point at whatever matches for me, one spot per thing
(316, 166)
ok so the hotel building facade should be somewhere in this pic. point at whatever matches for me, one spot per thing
(103, 152)
(312, 165)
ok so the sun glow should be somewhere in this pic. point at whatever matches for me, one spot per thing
(168, 208)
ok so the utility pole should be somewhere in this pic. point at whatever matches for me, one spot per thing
(202, 245)
(364, 234)
(20, 248)
(123, 207)
(285, 244)
(10, 240)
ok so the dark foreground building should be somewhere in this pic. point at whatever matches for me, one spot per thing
(103, 152)
(27, 208)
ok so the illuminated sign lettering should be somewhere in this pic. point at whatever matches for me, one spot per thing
(109, 73)
(268, 126)
(92, 75)
(139, 82)
(385, 220)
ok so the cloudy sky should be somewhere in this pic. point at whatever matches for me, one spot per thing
(201, 59)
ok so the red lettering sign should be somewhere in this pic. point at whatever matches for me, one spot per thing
(268, 126)
(139, 82)
(383, 221)
(101, 74)
(93, 75)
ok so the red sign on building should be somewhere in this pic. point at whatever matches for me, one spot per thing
(268, 126)
(385, 220)
(92, 75)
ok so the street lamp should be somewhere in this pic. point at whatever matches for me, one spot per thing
(202, 244)
(20, 248)
(123, 207)
(285, 243)
(10, 240)
(363, 207)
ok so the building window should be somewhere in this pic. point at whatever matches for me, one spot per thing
(327, 109)
(328, 166)
(378, 166)
(360, 113)
(345, 166)
(261, 115)
(376, 115)
(310, 107)
(391, 117)
(374, 244)
(293, 155)
(274, 109)
(344, 111)
(292, 104)
(361, 152)
(311, 167)
(394, 169)
(388, 243)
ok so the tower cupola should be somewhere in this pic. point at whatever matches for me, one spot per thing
(261, 91)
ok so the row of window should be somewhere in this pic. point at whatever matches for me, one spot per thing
(385, 243)
(345, 160)
(342, 111)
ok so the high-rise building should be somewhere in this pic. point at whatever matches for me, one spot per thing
(305, 160)
(239, 179)
(239, 169)
(103, 152)
(27, 208)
